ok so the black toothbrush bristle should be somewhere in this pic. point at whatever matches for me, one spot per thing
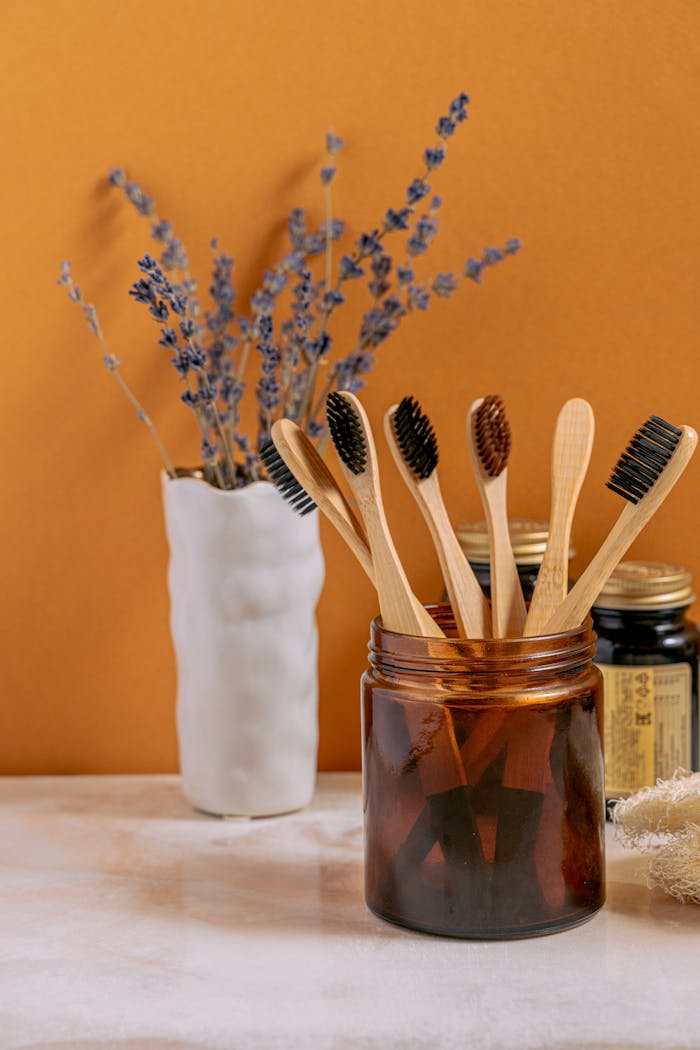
(346, 432)
(416, 438)
(644, 459)
(492, 435)
(284, 481)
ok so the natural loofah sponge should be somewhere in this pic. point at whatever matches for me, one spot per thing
(671, 808)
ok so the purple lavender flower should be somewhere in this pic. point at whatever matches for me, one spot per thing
(268, 391)
(296, 227)
(393, 307)
(491, 256)
(274, 282)
(174, 257)
(378, 287)
(349, 269)
(369, 243)
(314, 244)
(142, 202)
(397, 220)
(262, 302)
(418, 189)
(445, 284)
(337, 229)
(418, 297)
(168, 338)
(377, 325)
(415, 246)
(221, 291)
(434, 157)
(472, 270)
(458, 107)
(334, 144)
(381, 265)
(290, 348)
(161, 231)
(315, 429)
(446, 127)
(332, 298)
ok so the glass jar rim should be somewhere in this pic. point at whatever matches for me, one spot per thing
(476, 657)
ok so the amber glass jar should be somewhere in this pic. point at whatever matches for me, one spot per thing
(648, 653)
(483, 782)
(528, 540)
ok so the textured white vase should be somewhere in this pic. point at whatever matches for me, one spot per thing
(245, 575)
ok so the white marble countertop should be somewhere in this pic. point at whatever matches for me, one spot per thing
(129, 922)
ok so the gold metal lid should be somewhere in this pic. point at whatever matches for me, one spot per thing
(646, 585)
(528, 540)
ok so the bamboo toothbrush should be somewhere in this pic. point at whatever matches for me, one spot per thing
(295, 468)
(488, 435)
(431, 729)
(353, 441)
(571, 453)
(645, 474)
(414, 447)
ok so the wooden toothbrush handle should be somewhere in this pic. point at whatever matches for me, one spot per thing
(469, 606)
(571, 453)
(508, 610)
(552, 580)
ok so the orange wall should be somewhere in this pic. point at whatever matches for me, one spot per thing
(583, 141)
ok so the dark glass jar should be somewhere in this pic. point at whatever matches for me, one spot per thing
(450, 847)
(528, 540)
(648, 653)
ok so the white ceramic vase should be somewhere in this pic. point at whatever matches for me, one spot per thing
(245, 575)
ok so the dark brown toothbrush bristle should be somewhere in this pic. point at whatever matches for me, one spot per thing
(492, 435)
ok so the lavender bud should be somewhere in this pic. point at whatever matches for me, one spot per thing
(209, 451)
(446, 127)
(369, 243)
(418, 297)
(472, 270)
(327, 176)
(334, 144)
(397, 220)
(491, 256)
(418, 189)
(434, 157)
(445, 284)
(458, 107)
(161, 231)
(349, 269)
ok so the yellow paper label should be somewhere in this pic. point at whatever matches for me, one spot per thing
(647, 724)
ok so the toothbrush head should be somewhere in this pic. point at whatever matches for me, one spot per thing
(346, 432)
(284, 481)
(492, 435)
(645, 458)
(415, 438)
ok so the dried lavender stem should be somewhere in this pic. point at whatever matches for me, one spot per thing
(145, 418)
